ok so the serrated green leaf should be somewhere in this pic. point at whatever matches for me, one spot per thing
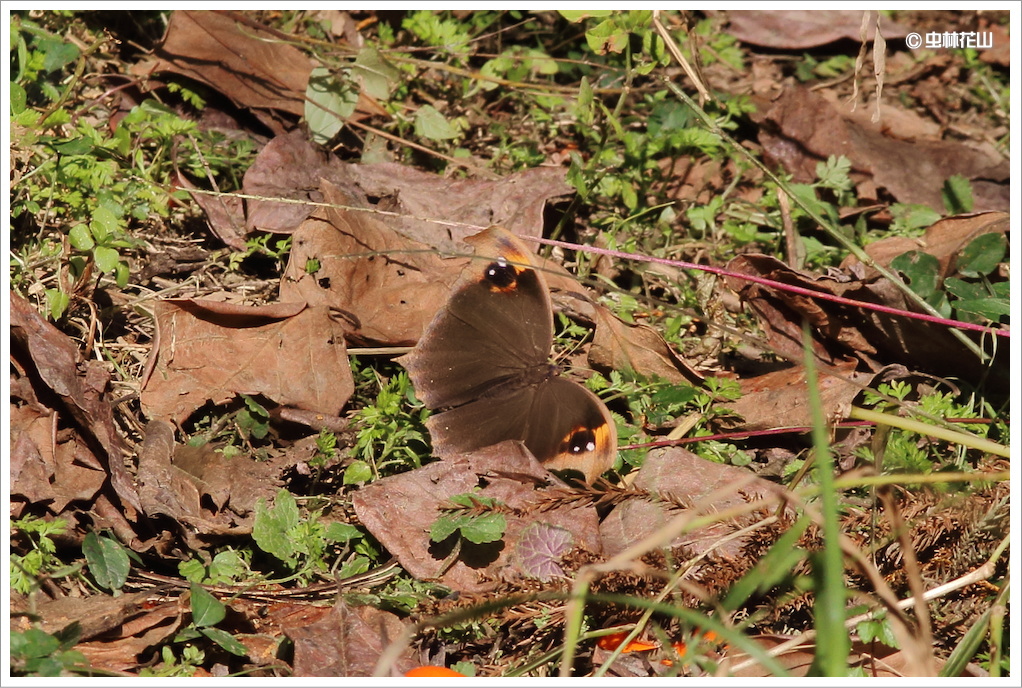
(80, 237)
(982, 255)
(443, 527)
(354, 567)
(206, 609)
(226, 641)
(193, 570)
(107, 561)
(430, 124)
(106, 258)
(226, 567)
(329, 102)
(342, 532)
(484, 528)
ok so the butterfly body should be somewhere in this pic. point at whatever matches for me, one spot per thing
(483, 364)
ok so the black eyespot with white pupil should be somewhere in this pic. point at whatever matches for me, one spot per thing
(501, 275)
(580, 442)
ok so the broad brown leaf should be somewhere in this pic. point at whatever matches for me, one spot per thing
(348, 642)
(49, 354)
(801, 128)
(213, 351)
(800, 29)
(400, 510)
(780, 399)
(704, 487)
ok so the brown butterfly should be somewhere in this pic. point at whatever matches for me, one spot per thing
(483, 363)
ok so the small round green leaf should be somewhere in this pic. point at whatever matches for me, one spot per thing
(357, 472)
(80, 237)
(106, 258)
(921, 270)
(104, 223)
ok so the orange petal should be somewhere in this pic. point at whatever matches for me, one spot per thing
(639, 646)
(431, 671)
(611, 642)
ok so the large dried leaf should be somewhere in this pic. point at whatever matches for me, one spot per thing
(95, 615)
(639, 348)
(841, 332)
(800, 29)
(248, 63)
(44, 471)
(212, 351)
(199, 487)
(291, 166)
(390, 286)
(51, 355)
(136, 637)
(465, 206)
(801, 128)
(780, 399)
(348, 642)
(674, 475)
(400, 510)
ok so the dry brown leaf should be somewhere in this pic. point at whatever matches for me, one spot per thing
(199, 487)
(389, 285)
(514, 202)
(44, 472)
(801, 128)
(841, 333)
(836, 338)
(619, 345)
(212, 351)
(781, 399)
(46, 352)
(95, 615)
(348, 642)
(246, 62)
(703, 486)
(800, 29)
(400, 510)
(137, 635)
(291, 166)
